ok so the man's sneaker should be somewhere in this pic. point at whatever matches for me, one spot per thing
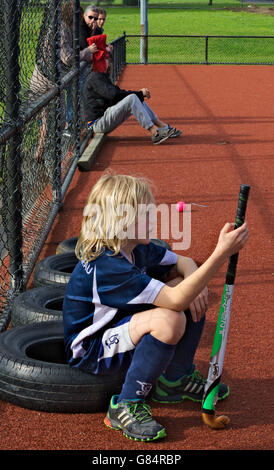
(90, 124)
(134, 419)
(175, 133)
(190, 387)
(161, 135)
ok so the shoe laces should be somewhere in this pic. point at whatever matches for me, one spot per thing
(140, 411)
(197, 376)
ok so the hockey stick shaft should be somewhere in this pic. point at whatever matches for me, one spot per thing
(220, 338)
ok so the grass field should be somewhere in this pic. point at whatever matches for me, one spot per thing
(188, 21)
(178, 4)
(202, 21)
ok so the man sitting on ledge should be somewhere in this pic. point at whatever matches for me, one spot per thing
(107, 106)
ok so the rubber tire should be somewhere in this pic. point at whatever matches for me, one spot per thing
(38, 305)
(70, 244)
(67, 245)
(34, 375)
(55, 269)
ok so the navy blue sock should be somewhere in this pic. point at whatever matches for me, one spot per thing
(150, 359)
(182, 361)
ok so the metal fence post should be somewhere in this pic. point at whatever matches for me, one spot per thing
(144, 32)
(57, 111)
(13, 175)
(206, 49)
(76, 115)
(124, 49)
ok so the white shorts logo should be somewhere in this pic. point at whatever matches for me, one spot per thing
(116, 340)
(113, 339)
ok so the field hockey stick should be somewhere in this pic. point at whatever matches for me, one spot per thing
(220, 338)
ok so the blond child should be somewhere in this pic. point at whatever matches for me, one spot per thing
(119, 317)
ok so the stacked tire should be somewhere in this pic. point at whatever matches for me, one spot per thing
(33, 369)
(34, 373)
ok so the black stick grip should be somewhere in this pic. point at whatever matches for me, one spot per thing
(239, 220)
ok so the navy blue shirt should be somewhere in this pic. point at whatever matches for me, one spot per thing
(98, 289)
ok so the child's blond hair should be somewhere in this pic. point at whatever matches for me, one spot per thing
(103, 213)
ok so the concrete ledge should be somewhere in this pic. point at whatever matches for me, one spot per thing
(87, 158)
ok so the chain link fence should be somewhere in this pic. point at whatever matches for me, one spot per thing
(160, 49)
(39, 94)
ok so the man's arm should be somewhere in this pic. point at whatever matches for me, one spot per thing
(103, 86)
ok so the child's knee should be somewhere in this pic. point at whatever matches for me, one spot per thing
(170, 326)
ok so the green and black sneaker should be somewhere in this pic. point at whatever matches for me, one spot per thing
(189, 387)
(134, 419)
